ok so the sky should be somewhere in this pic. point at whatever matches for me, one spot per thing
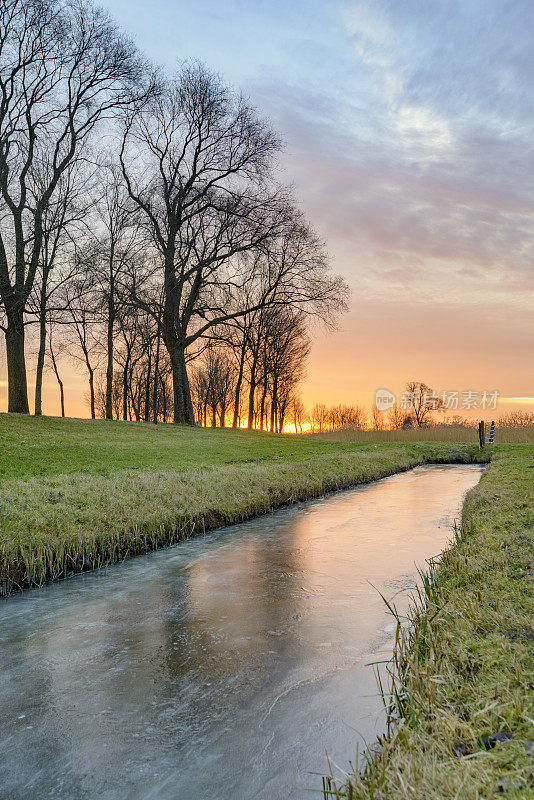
(408, 130)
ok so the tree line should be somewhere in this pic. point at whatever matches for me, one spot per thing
(144, 231)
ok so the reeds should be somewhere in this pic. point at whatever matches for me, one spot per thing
(432, 433)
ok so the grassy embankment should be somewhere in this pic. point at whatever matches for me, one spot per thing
(463, 688)
(76, 494)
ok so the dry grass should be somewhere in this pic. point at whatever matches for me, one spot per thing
(463, 667)
(437, 433)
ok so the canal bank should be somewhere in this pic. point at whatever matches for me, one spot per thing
(462, 705)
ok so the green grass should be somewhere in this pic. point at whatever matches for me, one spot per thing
(51, 446)
(77, 494)
(463, 667)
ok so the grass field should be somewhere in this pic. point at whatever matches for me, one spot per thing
(78, 494)
(462, 700)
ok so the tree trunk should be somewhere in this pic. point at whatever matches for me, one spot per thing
(238, 388)
(164, 397)
(251, 393)
(147, 388)
(62, 395)
(91, 372)
(40, 366)
(92, 391)
(274, 400)
(16, 363)
(124, 391)
(135, 403)
(262, 404)
(109, 363)
(175, 342)
(182, 404)
(156, 368)
(60, 382)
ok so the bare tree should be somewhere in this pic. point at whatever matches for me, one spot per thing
(117, 242)
(516, 419)
(128, 356)
(298, 413)
(338, 416)
(286, 352)
(256, 343)
(53, 359)
(198, 164)
(213, 385)
(81, 309)
(422, 401)
(319, 417)
(378, 419)
(396, 417)
(57, 266)
(341, 416)
(63, 69)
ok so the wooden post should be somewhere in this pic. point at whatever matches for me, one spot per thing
(481, 434)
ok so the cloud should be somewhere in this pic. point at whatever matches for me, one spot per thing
(415, 179)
